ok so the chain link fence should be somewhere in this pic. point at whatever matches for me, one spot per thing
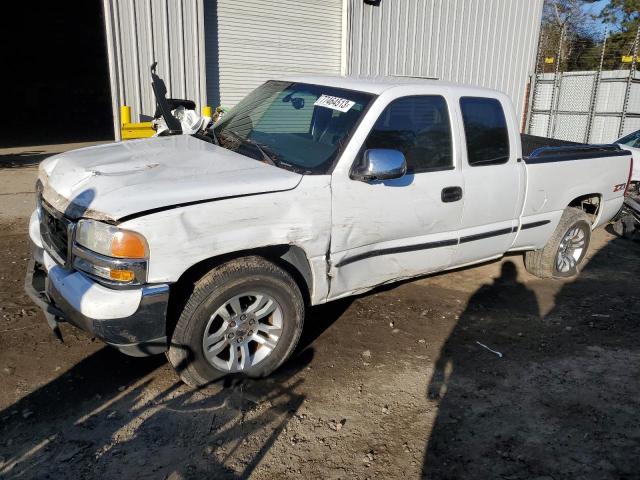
(592, 105)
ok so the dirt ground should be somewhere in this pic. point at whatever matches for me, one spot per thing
(392, 384)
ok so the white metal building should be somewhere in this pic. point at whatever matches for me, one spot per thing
(214, 52)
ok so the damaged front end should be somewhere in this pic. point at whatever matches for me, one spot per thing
(128, 314)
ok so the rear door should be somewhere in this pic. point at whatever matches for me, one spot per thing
(386, 230)
(494, 180)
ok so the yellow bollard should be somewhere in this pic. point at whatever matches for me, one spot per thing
(207, 111)
(130, 130)
(125, 114)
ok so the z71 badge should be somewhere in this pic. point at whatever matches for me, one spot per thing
(620, 186)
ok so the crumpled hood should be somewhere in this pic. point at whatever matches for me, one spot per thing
(112, 181)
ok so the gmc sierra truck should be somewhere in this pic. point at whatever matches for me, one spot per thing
(210, 247)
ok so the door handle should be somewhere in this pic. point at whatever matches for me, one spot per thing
(451, 194)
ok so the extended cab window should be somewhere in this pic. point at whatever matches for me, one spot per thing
(631, 140)
(485, 128)
(419, 127)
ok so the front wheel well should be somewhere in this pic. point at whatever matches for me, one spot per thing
(590, 203)
(291, 258)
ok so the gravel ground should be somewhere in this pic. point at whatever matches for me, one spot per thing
(392, 384)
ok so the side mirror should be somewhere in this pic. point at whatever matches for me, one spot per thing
(380, 164)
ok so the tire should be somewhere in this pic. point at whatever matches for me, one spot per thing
(210, 308)
(543, 263)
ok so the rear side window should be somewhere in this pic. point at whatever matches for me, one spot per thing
(631, 140)
(419, 127)
(486, 131)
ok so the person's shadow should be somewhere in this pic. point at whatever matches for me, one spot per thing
(562, 401)
(467, 372)
(481, 322)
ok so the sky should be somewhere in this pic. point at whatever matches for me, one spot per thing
(595, 8)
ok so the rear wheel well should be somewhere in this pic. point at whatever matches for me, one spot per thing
(590, 204)
(289, 257)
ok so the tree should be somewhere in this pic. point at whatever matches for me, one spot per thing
(623, 17)
(570, 20)
(622, 13)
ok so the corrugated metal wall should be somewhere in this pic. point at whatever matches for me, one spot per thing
(250, 41)
(170, 32)
(491, 43)
(220, 50)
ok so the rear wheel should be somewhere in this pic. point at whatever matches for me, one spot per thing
(565, 251)
(244, 316)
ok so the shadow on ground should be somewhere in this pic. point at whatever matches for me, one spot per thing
(109, 417)
(563, 401)
(114, 416)
(27, 158)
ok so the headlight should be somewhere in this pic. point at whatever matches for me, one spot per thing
(110, 241)
(108, 252)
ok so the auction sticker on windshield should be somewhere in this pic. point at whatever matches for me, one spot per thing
(336, 103)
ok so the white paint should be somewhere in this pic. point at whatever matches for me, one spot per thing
(635, 152)
(372, 217)
(182, 237)
(493, 196)
(330, 217)
(408, 211)
(180, 169)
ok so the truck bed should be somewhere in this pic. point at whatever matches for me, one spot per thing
(561, 174)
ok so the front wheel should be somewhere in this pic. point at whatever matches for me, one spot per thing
(565, 251)
(244, 316)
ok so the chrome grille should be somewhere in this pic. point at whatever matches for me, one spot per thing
(55, 231)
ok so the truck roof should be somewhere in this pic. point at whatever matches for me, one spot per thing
(379, 84)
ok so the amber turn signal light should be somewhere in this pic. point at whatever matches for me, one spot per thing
(126, 244)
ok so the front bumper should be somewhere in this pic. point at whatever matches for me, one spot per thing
(133, 321)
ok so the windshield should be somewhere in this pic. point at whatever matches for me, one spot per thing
(292, 125)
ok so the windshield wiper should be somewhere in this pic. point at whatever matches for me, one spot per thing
(271, 159)
(268, 158)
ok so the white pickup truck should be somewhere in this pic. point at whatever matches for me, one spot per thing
(212, 246)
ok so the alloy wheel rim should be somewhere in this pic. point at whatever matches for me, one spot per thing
(571, 249)
(243, 331)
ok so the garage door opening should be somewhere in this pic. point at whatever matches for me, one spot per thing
(57, 74)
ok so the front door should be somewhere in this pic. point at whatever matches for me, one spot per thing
(393, 229)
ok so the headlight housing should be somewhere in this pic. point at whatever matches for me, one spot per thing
(110, 253)
(110, 241)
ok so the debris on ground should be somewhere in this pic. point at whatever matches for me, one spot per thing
(491, 350)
